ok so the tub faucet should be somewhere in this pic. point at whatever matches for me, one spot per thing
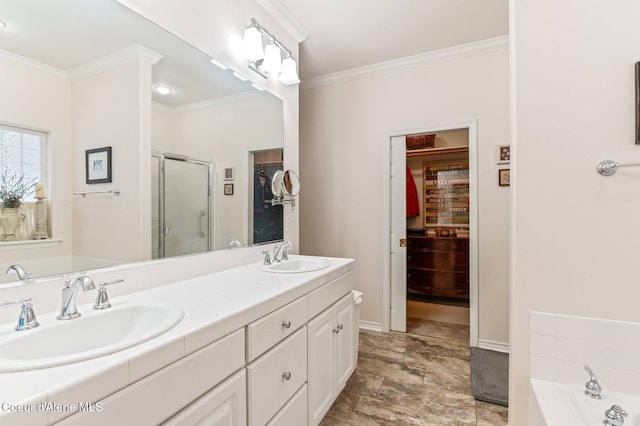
(19, 271)
(277, 250)
(70, 294)
(593, 388)
(614, 416)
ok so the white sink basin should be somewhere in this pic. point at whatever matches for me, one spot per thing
(94, 334)
(296, 265)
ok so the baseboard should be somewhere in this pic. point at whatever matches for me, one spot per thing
(493, 346)
(372, 326)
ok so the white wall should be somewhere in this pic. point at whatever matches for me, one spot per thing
(110, 109)
(575, 233)
(344, 126)
(223, 130)
(38, 97)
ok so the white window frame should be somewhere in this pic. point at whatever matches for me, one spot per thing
(43, 151)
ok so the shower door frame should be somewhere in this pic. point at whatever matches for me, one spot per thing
(162, 156)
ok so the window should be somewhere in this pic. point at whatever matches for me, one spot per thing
(23, 152)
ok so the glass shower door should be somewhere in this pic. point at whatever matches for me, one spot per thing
(186, 207)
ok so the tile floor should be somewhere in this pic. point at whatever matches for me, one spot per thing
(406, 379)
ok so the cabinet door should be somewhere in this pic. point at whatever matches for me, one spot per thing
(225, 405)
(321, 366)
(344, 341)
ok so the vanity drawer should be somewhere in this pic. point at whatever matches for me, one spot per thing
(323, 297)
(269, 330)
(294, 412)
(268, 388)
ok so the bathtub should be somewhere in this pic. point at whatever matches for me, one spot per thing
(555, 404)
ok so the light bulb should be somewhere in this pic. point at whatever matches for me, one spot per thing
(163, 90)
(252, 44)
(272, 60)
(289, 74)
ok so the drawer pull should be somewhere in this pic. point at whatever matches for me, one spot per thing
(286, 375)
(338, 328)
(286, 324)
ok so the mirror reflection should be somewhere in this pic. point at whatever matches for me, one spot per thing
(190, 165)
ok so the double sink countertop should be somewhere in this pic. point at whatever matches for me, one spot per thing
(214, 306)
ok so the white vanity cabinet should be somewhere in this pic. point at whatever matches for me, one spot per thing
(166, 392)
(331, 348)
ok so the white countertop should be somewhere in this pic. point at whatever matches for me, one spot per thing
(214, 305)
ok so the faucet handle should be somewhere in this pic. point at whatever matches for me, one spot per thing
(614, 416)
(27, 319)
(593, 388)
(102, 299)
(286, 245)
(267, 259)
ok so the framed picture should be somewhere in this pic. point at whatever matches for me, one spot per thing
(228, 189)
(229, 173)
(98, 165)
(504, 154)
(504, 177)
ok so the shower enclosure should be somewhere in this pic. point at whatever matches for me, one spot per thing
(181, 205)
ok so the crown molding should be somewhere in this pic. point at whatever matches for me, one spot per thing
(450, 53)
(21, 60)
(285, 18)
(240, 97)
(133, 52)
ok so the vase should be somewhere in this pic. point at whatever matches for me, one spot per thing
(10, 221)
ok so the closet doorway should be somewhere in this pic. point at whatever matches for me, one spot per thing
(265, 219)
(433, 255)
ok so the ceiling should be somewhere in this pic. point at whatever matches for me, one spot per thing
(67, 34)
(346, 34)
(340, 35)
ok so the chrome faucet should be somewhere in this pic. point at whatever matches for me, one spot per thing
(282, 251)
(68, 308)
(27, 319)
(19, 271)
(267, 259)
(593, 388)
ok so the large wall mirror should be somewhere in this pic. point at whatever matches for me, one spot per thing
(190, 165)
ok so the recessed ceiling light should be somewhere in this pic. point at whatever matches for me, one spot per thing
(163, 90)
(219, 64)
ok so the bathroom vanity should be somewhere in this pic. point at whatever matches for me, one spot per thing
(254, 348)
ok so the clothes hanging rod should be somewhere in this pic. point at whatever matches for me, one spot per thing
(111, 191)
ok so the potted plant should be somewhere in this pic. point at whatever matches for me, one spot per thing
(12, 190)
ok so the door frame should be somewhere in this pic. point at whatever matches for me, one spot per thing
(472, 126)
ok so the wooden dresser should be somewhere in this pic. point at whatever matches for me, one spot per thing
(438, 266)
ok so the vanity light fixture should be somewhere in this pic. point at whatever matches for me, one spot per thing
(258, 88)
(163, 90)
(268, 61)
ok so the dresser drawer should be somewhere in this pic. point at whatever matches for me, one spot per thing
(269, 330)
(276, 376)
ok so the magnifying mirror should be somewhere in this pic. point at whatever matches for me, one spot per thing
(277, 184)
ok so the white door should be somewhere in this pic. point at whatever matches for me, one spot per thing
(398, 234)
(345, 343)
(321, 366)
